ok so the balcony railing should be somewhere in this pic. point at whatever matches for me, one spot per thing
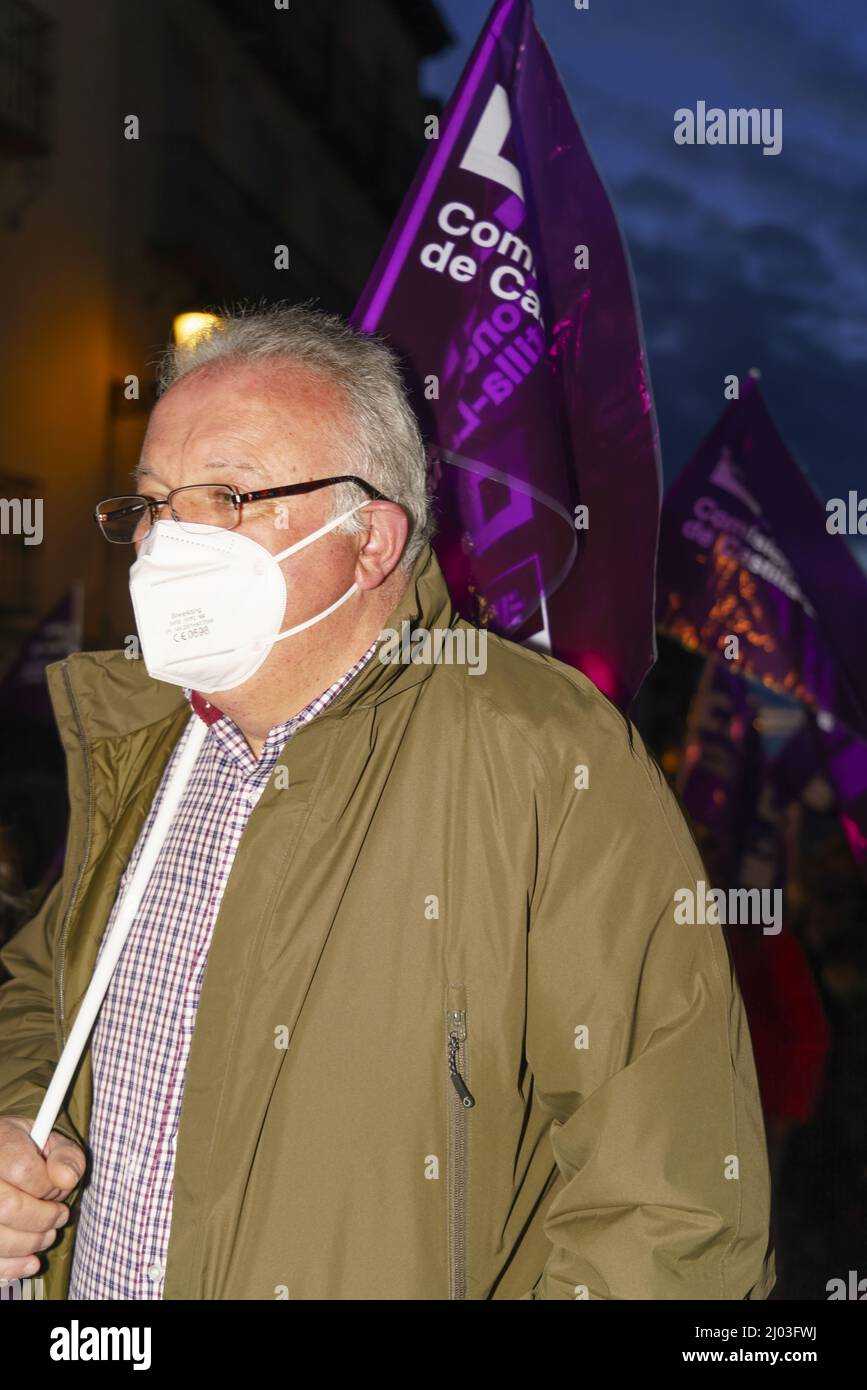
(216, 231)
(26, 86)
(319, 75)
(298, 54)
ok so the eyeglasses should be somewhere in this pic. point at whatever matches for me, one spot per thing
(123, 520)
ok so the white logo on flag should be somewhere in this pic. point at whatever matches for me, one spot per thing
(482, 155)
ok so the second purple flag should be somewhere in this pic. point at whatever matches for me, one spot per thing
(749, 570)
(505, 285)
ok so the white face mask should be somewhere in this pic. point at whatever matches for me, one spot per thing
(209, 603)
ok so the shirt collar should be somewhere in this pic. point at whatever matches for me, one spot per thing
(210, 714)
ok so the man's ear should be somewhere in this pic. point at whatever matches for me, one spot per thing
(380, 550)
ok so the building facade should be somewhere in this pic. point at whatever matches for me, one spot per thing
(153, 154)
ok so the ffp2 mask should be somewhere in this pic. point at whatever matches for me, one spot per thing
(208, 603)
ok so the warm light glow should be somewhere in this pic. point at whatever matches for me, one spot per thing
(670, 761)
(600, 670)
(185, 327)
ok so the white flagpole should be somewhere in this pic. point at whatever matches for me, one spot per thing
(90, 1004)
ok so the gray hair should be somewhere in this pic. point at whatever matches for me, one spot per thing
(383, 444)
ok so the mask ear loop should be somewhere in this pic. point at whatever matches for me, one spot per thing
(314, 535)
(290, 631)
(299, 545)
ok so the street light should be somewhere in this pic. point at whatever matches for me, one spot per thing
(187, 326)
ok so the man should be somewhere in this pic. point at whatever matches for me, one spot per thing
(404, 1012)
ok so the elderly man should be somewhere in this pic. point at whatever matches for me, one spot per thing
(404, 1011)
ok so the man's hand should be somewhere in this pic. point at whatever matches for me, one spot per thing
(31, 1188)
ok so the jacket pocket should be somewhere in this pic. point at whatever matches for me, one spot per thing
(460, 1101)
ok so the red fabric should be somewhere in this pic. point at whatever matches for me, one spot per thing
(789, 1030)
(204, 709)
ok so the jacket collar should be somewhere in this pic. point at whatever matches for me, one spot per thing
(107, 695)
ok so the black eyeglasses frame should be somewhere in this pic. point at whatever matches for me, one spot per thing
(239, 499)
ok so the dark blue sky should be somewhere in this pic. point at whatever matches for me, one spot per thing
(741, 259)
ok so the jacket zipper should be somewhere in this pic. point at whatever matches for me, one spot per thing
(460, 1100)
(61, 953)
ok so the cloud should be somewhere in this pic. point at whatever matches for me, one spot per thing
(740, 259)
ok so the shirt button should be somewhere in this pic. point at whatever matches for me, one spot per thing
(156, 1271)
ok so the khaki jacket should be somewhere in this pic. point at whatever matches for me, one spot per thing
(431, 892)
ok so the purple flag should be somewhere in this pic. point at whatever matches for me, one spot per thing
(505, 285)
(744, 552)
(723, 781)
(845, 762)
(823, 748)
(23, 691)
